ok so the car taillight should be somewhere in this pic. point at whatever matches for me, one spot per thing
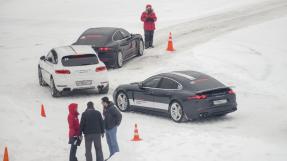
(231, 92)
(62, 72)
(105, 49)
(100, 69)
(197, 97)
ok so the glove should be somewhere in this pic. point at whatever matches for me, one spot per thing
(149, 19)
(75, 138)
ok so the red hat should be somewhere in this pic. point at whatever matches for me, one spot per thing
(148, 5)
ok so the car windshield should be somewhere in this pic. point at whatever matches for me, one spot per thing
(93, 39)
(80, 60)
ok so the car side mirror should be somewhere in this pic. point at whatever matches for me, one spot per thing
(42, 58)
(50, 59)
(141, 85)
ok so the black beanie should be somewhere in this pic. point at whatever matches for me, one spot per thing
(106, 99)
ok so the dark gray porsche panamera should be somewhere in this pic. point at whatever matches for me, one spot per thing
(113, 45)
(183, 95)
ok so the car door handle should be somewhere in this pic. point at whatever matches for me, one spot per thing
(149, 92)
(124, 44)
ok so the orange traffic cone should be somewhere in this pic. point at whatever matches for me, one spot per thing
(170, 44)
(136, 134)
(6, 157)
(43, 113)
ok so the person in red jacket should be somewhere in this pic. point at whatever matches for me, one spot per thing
(74, 130)
(149, 18)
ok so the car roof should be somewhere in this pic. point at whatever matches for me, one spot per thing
(183, 76)
(102, 30)
(74, 50)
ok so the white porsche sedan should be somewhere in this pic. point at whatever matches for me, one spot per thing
(71, 68)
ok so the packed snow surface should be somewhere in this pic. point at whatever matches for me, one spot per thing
(241, 43)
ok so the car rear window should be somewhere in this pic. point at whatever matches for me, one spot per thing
(79, 60)
(93, 39)
(204, 83)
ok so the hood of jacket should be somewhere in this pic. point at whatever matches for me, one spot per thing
(148, 5)
(73, 109)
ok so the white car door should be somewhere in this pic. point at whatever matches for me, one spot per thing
(48, 67)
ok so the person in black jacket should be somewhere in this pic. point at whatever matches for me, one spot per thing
(112, 119)
(92, 125)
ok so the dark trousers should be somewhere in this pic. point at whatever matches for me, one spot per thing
(96, 139)
(73, 152)
(111, 136)
(148, 36)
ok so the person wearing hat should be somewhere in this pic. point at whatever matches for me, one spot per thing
(149, 18)
(112, 119)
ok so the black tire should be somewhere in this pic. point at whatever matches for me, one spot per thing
(40, 77)
(176, 112)
(140, 47)
(104, 90)
(121, 106)
(119, 60)
(53, 90)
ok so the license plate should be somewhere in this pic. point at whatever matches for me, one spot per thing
(84, 82)
(83, 71)
(220, 102)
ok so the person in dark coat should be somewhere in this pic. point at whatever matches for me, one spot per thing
(92, 125)
(74, 130)
(149, 18)
(112, 119)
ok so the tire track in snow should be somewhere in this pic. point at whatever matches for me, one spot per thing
(206, 28)
(196, 31)
(189, 34)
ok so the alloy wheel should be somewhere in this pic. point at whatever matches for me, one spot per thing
(122, 101)
(176, 112)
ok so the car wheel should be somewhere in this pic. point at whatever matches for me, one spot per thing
(104, 90)
(40, 76)
(53, 90)
(122, 102)
(119, 60)
(140, 48)
(176, 112)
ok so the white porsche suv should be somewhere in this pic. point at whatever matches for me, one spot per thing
(71, 68)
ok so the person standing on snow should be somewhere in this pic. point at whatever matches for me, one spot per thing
(149, 18)
(92, 125)
(74, 130)
(112, 119)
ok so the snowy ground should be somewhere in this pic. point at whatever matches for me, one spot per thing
(251, 58)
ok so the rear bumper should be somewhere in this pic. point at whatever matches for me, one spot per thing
(216, 111)
(66, 84)
(197, 113)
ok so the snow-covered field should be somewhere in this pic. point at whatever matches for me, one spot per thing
(211, 36)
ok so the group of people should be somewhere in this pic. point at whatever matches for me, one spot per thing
(94, 127)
